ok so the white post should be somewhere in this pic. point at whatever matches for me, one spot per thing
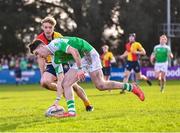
(169, 24)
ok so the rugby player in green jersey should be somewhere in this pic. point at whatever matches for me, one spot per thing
(160, 55)
(48, 74)
(84, 58)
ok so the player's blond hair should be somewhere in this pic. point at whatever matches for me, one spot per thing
(49, 19)
(105, 46)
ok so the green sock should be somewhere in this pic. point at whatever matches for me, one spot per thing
(127, 87)
(137, 82)
(71, 106)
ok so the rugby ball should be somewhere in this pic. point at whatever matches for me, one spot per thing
(54, 110)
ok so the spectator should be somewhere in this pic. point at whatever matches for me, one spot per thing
(5, 64)
(12, 63)
(18, 73)
(23, 63)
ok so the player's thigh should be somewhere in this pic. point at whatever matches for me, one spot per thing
(160, 68)
(163, 74)
(70, 77)
(138, 75)
(136, 67)
(127, 73)
(97, 76)
(48, 77)
(157, 73)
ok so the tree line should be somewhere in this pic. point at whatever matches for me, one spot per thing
(97, 21)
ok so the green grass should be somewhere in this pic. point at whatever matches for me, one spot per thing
(22, 110)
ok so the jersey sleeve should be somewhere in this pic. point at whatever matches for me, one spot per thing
(139, 47)
(52, 46)
(111, 56)
(58, 35)
(169, 50)
(58, 45)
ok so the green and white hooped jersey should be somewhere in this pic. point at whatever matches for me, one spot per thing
(161, 53)
(59, 47)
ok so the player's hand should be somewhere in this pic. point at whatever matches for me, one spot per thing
(81, 75)
(136, 52)
(152, 60)
(120, 57)
(56, 103)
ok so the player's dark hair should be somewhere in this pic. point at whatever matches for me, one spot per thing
(32, 46)
(132, 34)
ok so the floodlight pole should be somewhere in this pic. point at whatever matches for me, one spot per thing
(169, 23)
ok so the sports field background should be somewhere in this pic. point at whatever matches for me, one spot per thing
(22, 109)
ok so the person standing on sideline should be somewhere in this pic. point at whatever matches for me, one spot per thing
(160, 55)
(18, 73)
(107, 58)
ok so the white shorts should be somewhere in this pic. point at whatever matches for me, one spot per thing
(90, 62)
(161, 67)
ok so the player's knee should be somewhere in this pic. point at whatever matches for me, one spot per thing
(139, 78)
(126, 76)
(65, 84)
(45, 83)
(100, 86)
(75, 88)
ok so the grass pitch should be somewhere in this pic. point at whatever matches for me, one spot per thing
(22, 110)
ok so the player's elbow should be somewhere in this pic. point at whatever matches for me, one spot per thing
(144, 52)
(72, 51)
(76, 53)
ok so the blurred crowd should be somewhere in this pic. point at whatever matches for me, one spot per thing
(25, 62)
(29, 62)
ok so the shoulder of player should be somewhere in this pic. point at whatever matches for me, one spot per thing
(56, 40)
(40, 35)
(136, 43)
(59, 41)
(110, 53)
(57, 34)
(41, 38)
(157, 46)
(168, 47)
(127, 45)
